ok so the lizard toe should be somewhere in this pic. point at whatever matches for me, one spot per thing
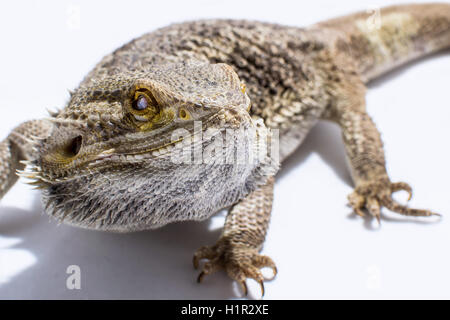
(240, 263)
(374, 195)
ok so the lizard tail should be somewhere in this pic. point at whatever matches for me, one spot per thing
(380, 40)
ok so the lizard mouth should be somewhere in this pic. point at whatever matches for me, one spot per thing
(169, 149)
(112, 155)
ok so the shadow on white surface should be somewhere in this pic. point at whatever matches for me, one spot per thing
(154, 264)
(326, 141)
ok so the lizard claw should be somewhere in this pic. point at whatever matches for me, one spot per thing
(402, 186)
(373, 195)
(244, 287)
(239, 262)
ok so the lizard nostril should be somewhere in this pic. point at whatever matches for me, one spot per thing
(75, 145)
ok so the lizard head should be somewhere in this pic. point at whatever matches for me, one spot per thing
(138, 150)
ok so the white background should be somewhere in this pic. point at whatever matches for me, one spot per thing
(321, 249)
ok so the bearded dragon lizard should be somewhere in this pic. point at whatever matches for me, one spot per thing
(105, 161)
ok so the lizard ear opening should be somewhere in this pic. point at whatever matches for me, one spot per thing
(74, 147)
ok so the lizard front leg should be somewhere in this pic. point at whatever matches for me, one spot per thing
(364, 148)
(10, 157)
(16, 147)
(237, 250)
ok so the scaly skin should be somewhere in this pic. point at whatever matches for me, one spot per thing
(106, 161)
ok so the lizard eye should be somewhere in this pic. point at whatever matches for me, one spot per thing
(144, 106)
(140, 103)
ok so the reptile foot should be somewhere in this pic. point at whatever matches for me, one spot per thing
(375, 194)
(240, 262)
